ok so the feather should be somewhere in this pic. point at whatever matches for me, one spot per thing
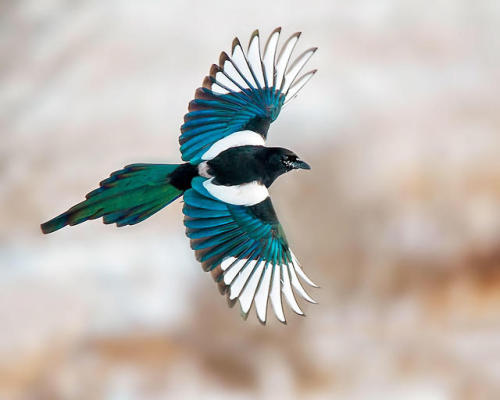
(243, 88)
(127, 197)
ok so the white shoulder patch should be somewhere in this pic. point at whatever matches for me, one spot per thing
(203, 170)
(246, 194)
(241, 138)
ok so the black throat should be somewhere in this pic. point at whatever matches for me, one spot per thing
(244, 164)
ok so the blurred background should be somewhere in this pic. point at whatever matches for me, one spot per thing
(398, 221)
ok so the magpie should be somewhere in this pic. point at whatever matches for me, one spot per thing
(224, 180)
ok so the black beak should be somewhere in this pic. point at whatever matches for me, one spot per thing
(299, 164)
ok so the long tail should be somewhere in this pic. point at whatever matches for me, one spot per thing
(128, 196)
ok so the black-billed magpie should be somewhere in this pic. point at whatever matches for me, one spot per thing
(228, 214)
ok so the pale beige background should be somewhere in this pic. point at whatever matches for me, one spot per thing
(398, 221)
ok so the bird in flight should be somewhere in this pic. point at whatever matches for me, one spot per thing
(228, 214)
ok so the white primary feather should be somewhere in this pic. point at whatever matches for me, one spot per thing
(296, 67)
(247, 295)
(299, 271)
(296, 284)
(219, 89)
(275, 294)
(297, 85)
(287, 291)
(262, 293)
(239, 281)
(233, 73)
(233, 270)
(270, 56)
(284, 58)
(226, 263)
(222, 79)
(255, 60)
(240, 61)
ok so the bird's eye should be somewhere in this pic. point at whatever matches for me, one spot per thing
(288, 162)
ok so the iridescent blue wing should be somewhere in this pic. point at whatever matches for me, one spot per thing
(245, 92)
(246, 249)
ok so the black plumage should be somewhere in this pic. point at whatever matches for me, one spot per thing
(244, 164)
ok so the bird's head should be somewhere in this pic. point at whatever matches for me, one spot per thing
(290, 161)
(280, 161)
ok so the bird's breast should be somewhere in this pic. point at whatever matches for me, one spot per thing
(245, 194)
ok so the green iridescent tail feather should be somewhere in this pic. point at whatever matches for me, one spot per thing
(127, 197)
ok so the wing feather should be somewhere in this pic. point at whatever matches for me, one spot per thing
(287, 290)
(284, 59)
(247, 252)
(262, 293)
(269, 58)
(299, 84)
(244, 92)
(255, 60)
(275, 295)
(247, 295)
(294, 69)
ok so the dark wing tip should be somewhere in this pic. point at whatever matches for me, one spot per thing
(222, 59)
(236, 42)
(207, 82)
(252, 36)
(262, 322)
(244, 315)
(277, 30)
(213, 70)
(230, 302)
(295, 35)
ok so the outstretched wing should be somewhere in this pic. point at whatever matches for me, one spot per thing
(245, 92)
(246, 250)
